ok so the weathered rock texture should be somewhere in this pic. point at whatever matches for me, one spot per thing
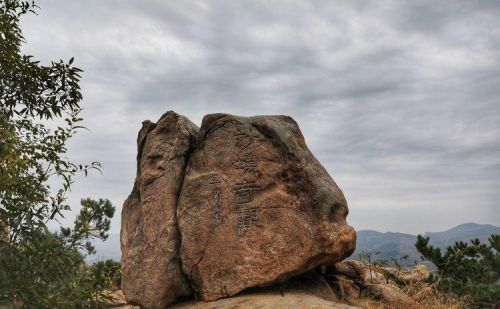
(150, 240)
(256, 207)
(309, 283)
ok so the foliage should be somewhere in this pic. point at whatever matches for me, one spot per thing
(467, 269)
(106, 274)
(45, 274)
(374, 264)
(47, 270)
(419, 295)
(398, 261)
(39, 114)
(30, 153)
(93, 221)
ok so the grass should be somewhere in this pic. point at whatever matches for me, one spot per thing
(420, 295)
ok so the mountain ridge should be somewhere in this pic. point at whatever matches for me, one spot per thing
(395, 245)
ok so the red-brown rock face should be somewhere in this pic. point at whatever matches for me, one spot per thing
(150, 240)
(256, 207)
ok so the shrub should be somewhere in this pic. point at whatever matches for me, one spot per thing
(107, 274)
(467, 269)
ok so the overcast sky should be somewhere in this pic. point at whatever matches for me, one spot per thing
(400, 100)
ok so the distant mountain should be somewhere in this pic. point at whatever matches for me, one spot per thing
(391, 245)
(463, 232)
(394, 245)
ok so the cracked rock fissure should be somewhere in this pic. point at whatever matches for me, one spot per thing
(249, 206)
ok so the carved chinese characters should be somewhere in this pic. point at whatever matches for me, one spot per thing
(245, 190)
(247, 215)
(247, 164)
(243, 195)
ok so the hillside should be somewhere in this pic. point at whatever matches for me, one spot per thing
(390, 245)
(393, 245)
(463, 232)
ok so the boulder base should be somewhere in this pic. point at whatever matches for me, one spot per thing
(266, 300)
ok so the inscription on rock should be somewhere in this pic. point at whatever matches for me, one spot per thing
(242, 140)
(244, 191)
(218, 218)
(247, 164)
(243, 195)
(247, 218)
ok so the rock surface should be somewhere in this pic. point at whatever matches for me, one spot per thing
(150, 240)
(352, 269)
(346, 289)
(266, 300)
(309, 283)
(256, 207)
(389, 294)
(116, 299)
(419, 273)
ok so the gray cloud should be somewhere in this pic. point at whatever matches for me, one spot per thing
(399, 100)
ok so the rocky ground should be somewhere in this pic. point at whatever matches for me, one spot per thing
(349, 284)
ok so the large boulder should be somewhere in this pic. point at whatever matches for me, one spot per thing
(257, 207)
(150, 240)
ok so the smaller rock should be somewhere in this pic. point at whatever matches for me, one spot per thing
(117, 299)
(358, 272)
(389, 294)
(354, 282)
(419, 273)
(352, 269)
(346, 289)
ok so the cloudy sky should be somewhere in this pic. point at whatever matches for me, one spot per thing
(400, 100)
